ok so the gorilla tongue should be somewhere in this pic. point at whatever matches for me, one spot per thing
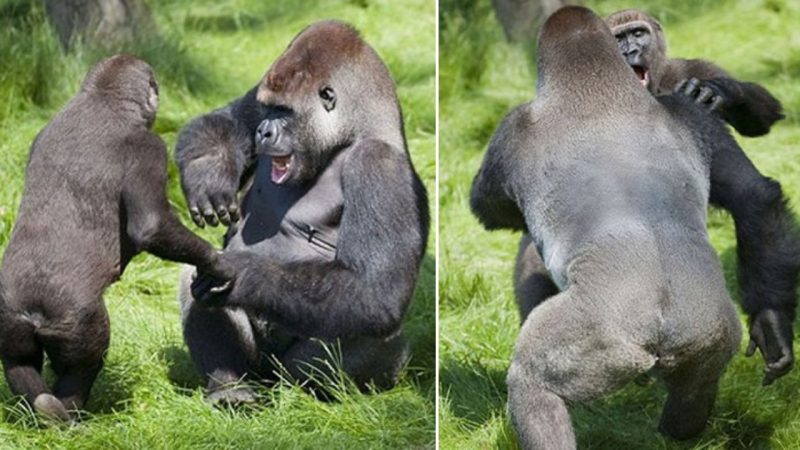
(643, 74)
(280, 168)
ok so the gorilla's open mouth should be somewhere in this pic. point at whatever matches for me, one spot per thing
(643, 74)
(280, 168)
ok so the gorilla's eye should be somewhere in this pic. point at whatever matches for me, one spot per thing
(154, 85)
(638, 33)
(328, 98)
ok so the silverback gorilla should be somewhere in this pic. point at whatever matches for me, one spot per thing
(334, 219)
(768, 243)
(94, 197)
(612, 184)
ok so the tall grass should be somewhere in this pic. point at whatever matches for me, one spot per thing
(205, 53)
(482, 78)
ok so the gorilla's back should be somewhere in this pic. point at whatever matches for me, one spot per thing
(643, 184)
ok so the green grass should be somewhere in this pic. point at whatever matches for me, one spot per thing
(206, 53)
(481, 79)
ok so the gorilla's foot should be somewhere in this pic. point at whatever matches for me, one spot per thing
(51, 409)
(232, 396)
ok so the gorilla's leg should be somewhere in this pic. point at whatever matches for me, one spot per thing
(365, 360)
(221, 345)
(532, 282)
(22, 358)
(569, 350)
(689, 403)
(77, 357)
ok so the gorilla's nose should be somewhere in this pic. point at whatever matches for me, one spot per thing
(267, 133)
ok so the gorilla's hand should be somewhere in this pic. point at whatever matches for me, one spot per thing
(771, 331)
(215, 288)
(704, 93)
(210, 192)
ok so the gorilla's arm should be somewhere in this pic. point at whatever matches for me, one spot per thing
(768, 241)
(490, 198)
(768, 250)
(151, 226)
(213, 153)
(748, 107)
(365, 291)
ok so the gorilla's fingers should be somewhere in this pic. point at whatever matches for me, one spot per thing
(197, 218)
(716, 101)
(209, 215)
(778, 369)
(751, 348)
(691, 86)
(222, 213)
(219, 203)
(704, 94)
(233, 210)
(680, 86)
(200, 287)
(757, 339)
(222, 288)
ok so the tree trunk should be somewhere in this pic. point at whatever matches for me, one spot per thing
(521, 19)
(101, 22)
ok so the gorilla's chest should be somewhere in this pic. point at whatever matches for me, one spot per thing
(291, 223)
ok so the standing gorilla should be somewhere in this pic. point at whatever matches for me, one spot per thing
(768, 242)
(613, 185)
(94, 198)
(334, 219)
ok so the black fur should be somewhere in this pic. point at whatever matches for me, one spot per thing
(328, 257)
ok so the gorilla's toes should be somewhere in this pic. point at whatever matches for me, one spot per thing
(232, 396)
(51, 410)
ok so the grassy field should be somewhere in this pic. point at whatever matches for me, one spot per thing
(481, 79)
(206, 53)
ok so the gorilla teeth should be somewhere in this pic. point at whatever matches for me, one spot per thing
(280, 168)
(643, 74)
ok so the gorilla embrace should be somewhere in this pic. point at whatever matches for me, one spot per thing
(613, 185)
(334, 220)
(768, 242)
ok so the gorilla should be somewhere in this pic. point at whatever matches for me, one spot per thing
(94, 197)
(767, 237)
(332, 228)
(748, 107)
(613, 185)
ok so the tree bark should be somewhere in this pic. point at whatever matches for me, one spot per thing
(101, 22)
(521, 19)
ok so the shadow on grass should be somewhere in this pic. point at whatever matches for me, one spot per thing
(476, 392)
(180, 369)
(112, 392)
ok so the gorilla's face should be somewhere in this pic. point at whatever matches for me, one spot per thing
(635, 43)
(301, 132)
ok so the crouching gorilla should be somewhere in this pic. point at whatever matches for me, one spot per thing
(334, 219)
(613, 185)
(768, 242)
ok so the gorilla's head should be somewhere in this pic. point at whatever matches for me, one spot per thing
(641, 41)
(325, 92)
(127, 81)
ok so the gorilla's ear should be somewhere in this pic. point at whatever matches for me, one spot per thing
(328, 97)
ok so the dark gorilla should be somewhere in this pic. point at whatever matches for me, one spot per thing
(748, 107)
(94, 197)
(768, 242)
(334, 220)
(613, 185)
